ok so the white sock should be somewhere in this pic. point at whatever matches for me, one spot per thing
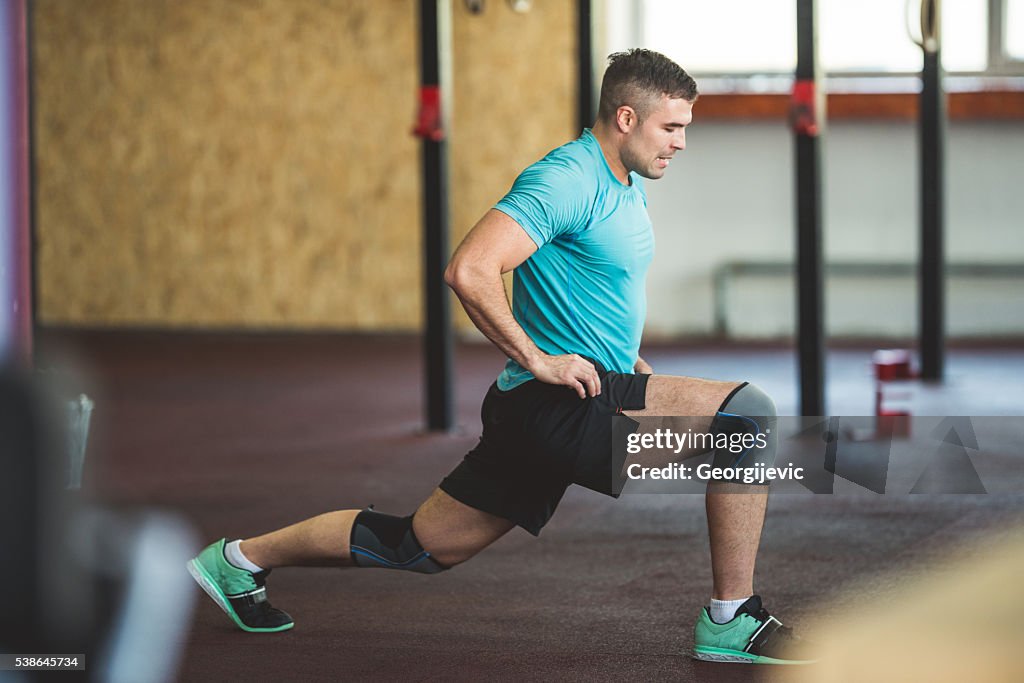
(233, 554)
(723, 611)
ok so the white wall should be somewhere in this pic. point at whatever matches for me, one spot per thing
(730, 197)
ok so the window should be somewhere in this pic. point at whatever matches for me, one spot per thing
(862, 37)
(1013, 35)
(756, 36)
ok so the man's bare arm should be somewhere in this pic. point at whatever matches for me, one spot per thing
(496, 245)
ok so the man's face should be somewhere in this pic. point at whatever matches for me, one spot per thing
(650, 145)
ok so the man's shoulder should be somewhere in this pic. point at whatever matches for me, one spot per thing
(573, 161)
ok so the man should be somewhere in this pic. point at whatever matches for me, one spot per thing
(575, 230)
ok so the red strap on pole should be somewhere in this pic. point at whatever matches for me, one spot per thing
(803, 108)
(428, 123)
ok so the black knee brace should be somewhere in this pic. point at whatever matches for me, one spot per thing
(748, 417)
(380, 540)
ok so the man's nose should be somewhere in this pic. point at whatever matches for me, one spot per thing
(679, 140)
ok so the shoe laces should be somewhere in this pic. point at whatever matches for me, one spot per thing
(783, 631)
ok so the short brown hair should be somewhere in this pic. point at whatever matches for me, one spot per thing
(638, 78)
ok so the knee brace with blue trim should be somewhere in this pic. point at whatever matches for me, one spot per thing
(380, 540)
(748, 417)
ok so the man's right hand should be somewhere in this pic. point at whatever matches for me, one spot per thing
(569, 370)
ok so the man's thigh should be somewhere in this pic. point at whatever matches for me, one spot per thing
(686, 404)
(689, 396)
(452, 532)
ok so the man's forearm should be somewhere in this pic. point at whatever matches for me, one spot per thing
(486, 303)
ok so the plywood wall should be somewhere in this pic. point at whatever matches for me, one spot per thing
(248, 164)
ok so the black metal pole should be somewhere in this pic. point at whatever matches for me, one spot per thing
(435, 49)
(932, 141)
(807, 119)
(585, 64)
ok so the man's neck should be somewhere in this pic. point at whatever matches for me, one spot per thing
(608, 140)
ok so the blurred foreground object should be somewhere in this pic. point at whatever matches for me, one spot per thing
(960, 622)
(80, 579)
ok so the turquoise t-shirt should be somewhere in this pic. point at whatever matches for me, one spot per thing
(582, 291)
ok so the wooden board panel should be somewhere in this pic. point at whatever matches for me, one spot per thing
(241, 164)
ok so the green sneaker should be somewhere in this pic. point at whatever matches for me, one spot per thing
(240, 593)
(752, 637)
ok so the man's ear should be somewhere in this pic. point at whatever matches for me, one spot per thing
(626, 118)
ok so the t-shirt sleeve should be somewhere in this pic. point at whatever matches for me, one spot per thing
(548, 199)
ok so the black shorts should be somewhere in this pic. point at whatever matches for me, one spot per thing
(537, 439)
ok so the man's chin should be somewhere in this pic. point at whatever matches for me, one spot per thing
(652, 173)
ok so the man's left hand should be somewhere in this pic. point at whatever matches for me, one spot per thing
(642, 367)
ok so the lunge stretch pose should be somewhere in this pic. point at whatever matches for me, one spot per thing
(574, 229)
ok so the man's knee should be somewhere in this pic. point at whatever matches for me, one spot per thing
(380, 540)
(749, 399)
(747, 419)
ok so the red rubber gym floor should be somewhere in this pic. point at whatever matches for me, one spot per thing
(242, 434)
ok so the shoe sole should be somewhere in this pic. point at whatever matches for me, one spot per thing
(716, 654)
(211, 588)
